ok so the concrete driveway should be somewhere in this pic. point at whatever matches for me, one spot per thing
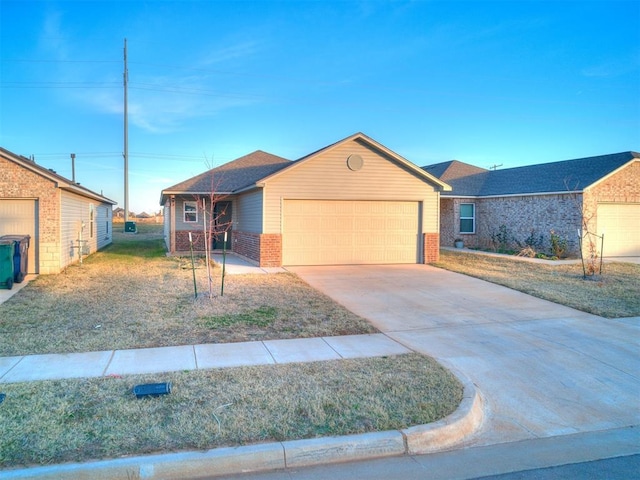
(544, 369)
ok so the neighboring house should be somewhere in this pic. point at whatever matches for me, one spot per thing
(53, 210)
(540, 198)
(352, 202)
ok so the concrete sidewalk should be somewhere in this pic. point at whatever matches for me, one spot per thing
(193, 357)
(414, 440)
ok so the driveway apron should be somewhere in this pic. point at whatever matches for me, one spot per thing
(544, 369)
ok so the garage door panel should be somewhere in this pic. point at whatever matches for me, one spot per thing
(620, 223)
(326, 232)
(19, 217)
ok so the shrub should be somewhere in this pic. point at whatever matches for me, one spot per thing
(500, 239)
(558, 244)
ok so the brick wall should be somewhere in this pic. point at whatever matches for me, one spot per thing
(18, 182)
(447, 221)
(524, 214)
(621, 187)
(182, 241)
(520, 214)
(264, 249)
(270, 250)
(247, 244)
(431, 247)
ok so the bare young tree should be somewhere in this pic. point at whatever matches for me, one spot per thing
(215, 222)
(589, 242)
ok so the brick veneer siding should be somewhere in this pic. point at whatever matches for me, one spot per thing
(270, 250)
(263, 248)
(447, 221)
(182, 241)
(431, 247)
(17, 182)
(524, 214)
(621, 187)
(520, 214)
(247, 244)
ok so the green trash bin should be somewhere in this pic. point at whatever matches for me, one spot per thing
(130, 227)
(20, 255)
(6, 263)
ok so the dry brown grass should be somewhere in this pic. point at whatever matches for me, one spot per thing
(612, 295)
(131, 295)
(76, 420)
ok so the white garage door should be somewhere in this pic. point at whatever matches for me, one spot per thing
(620, 223)
(332, 232)
(18, 217)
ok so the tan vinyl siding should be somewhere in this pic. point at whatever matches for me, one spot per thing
(76, 224)
(247, 216)
(104, 226)
(327, 177)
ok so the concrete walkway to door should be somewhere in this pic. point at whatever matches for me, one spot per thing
(544, 369)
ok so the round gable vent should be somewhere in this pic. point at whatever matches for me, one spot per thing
(354, 162)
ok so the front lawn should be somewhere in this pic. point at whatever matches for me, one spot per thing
(613, 295)
(131, 295)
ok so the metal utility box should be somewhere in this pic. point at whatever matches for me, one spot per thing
(20, 255)
(130, 227)
(6, 264)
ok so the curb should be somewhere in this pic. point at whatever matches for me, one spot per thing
(416, 440)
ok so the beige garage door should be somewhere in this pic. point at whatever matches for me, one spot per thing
(18, 217)
(332, 232)
(620, 223)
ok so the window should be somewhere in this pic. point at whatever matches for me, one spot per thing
(190, 212)
(467, 218)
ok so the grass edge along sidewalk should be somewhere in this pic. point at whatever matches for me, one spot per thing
(78, 420)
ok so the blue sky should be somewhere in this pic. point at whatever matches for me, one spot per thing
(506, 83)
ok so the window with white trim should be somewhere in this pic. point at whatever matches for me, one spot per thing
(190, 212)
(467, 218)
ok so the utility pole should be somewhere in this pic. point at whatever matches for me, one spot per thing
(126, 138)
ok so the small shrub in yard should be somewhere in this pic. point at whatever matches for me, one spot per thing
(533, 241)
(500, 239)
(558, 245)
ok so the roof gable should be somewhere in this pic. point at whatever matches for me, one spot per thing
(362, 138)
(58, 180)
(563, 176)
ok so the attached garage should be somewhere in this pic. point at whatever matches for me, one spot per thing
(332, 232)
(19, 218)
(620, 223)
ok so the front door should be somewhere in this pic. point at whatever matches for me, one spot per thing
(222, 222)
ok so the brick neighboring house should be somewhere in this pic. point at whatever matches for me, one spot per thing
(54, 211)
(352, 202)
(544, 197)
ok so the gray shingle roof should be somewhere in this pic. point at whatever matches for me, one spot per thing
(233, 176)
(563, 176)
